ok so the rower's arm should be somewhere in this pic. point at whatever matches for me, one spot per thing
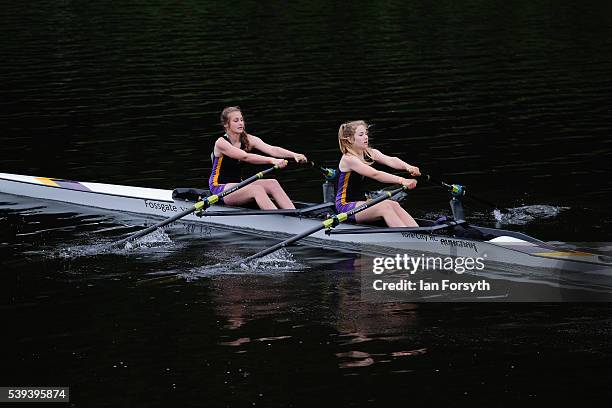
(394, 162)
(225, 148)
(275, 151)
(354, 164)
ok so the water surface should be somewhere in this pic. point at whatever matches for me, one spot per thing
(509, 98)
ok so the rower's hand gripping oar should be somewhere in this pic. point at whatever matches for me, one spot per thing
(458, 190)
(199, 206)
(328, 223)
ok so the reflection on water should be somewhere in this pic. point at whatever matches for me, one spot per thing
(130, 319)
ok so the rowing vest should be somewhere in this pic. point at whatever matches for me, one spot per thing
(350, 188)
(225, 169)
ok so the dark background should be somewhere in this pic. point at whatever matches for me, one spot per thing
(511, 98)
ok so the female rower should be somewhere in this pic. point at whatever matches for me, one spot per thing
(234, 148)
(355, 164)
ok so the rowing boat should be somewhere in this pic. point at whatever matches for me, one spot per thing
(496, 245)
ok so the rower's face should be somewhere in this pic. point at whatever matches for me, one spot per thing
(360, 137)
(235, 123)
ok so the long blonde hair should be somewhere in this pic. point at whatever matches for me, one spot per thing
(346, 135)
(244, 139)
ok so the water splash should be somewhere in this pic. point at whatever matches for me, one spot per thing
(278, 260)
(78, 251)
(281, 261)
(498, 215)
(155, 239)
(528, 213)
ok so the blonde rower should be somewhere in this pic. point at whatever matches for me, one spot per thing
(355, 164)
(232, 150)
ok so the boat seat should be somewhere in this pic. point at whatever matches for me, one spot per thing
(189, 194)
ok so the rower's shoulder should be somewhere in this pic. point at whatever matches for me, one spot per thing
(253, 139)
(376, 153)
(221, 139)
(347, 162)
(350, 159)
(221, 146)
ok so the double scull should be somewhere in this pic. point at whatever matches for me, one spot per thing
(494, 244)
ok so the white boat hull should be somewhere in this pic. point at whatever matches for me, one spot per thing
(159, 203)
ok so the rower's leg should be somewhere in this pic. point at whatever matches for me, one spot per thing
(382, 210)
(248, 193)
(392, 216)
(403, 215)
(274, 189)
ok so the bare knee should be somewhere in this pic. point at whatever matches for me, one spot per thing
(257, 191)
(387, 206)
(270, 183)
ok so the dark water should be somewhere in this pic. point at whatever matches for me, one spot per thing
(509, 98)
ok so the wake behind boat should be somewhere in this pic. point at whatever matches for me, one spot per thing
(493, 244)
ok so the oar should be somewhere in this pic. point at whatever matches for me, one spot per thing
(459, 190)
(328, 223)
(200, 205)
